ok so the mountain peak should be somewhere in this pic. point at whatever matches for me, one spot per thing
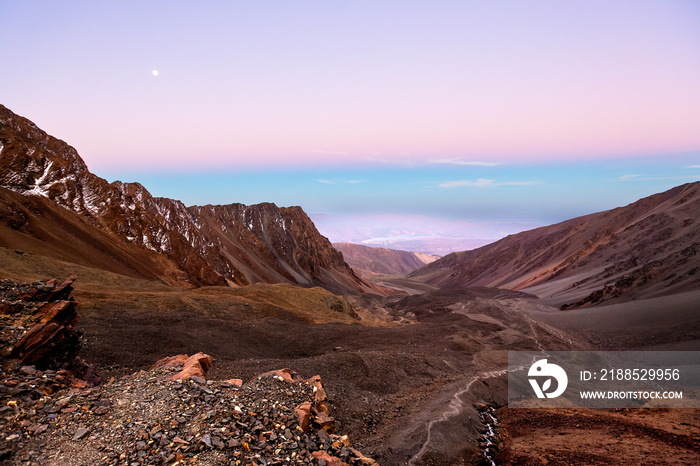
(211, 245)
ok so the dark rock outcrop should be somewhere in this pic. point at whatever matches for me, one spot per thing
(37, 327)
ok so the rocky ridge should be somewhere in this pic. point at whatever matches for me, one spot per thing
(210, 245)
(648, 248)
(168, 414)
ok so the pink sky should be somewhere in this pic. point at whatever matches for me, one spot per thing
(243, 84)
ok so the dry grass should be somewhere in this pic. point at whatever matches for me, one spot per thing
(96, 289)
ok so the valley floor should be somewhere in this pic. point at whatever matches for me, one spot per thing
(409, 377)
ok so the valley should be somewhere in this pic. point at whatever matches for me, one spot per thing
(412, 350)
(406, 375)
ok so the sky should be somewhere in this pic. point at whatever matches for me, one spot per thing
(468, 113)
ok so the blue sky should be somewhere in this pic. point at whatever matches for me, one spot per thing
(536, 193)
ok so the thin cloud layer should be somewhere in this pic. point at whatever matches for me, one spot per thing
(482, 183)
(339, 182)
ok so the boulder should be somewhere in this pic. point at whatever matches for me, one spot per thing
(196, 365)
(319, 394)
(303, 412)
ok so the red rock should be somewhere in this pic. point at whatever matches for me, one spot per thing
(362, 459)
(237, 382)
(319, 394)
(196, 365)
(171, 361)
(330, 460)
(303, 412)
(29, 348)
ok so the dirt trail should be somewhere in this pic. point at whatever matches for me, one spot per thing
(459, 404)
(456, 406)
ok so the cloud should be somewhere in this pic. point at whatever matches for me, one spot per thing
(337, 182)
(519, 183)
(482, 183)
(412, 163)
(694, 166)
(472, 163)
(629, 177)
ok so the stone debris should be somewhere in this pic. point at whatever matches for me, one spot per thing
(169, 414)
(149, 418)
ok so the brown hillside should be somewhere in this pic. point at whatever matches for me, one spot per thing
(647, 248)
(209, 245)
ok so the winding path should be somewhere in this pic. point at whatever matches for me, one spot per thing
(456, 405)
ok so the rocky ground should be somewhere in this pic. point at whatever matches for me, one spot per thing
(57, 412)
(397, 391)
(149, 418)
(419, 392)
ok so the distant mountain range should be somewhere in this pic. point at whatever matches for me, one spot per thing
(420, 233)
(648, 248)
(51, 204)
(369, 261)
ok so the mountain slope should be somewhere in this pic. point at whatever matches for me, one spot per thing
(369, 260)
(647, 248)
(194, 246)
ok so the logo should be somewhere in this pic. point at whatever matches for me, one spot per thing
(541, 369)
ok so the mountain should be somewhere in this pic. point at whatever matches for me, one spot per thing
(648, 248)
(50, 203)
(420, 233)
(368, 260)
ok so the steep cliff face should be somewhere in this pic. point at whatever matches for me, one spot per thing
(265, 243)
(209, 245)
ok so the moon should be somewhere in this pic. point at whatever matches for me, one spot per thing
(155, 73)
